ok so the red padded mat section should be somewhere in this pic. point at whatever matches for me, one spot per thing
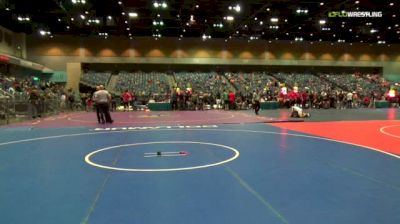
(382, 135)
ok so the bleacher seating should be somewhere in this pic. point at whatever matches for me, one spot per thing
(210, 82)
(95, 78)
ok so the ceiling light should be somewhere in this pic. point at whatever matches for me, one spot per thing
(86, 12)
(82, 17)
(197, 6)
(322, 22)
(321, 3)
(391, 4)
(123, 13)
(155, 4)
(78, 2)
(133, 14)
(357, 2)
(373, 31)
(68, 27)
(7, 9)
(229, 18)
(268, 9)
(237, 8)
(261, 22)
(164, 5)
(59, 20)
(274, 20)
(119, 3)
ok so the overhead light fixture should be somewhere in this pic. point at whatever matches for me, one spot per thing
(373, 31)
(391, 4)
(133, 14)
(158, 4)
(322, 22)
(235, 8)
(75, 2)
(44, 32)
(321, 4)
(218, 25)
(357, 2)
(23, 19)
(205, 37)
(82, 16)
(119, 3)
(7, 9)
(274, 20)
(298, 39)
(229, 18)
(302, 11)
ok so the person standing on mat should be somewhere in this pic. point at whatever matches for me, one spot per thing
(103, 99)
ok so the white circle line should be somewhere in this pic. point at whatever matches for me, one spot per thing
(87, 157)
(387, 133)
(222, 130)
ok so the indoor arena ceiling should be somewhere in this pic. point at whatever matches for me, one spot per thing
(292, 20)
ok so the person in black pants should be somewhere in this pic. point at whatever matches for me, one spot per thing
(256, 101)
(103, 99)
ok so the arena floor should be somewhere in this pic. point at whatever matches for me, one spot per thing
(339, 166)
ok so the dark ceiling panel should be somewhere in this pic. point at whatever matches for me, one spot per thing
(62, 17)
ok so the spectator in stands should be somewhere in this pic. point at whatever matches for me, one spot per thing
(232, 99)
(256, 101)
(34, 98)
(103, 99)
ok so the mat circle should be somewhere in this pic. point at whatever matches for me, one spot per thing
(90, 162)
(382, 130)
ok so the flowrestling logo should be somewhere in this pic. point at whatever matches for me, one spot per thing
(155, 127)
(355, 14)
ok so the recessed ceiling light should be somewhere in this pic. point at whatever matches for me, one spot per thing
(133, 14)
(321, 3)
(274, 20)
(229, 18)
